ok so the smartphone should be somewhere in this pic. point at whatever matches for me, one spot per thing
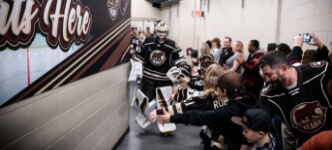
(160, 112)
(306, 38)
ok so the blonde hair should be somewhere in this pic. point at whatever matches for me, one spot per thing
(205, 49)
(239, 46)
(210, 89)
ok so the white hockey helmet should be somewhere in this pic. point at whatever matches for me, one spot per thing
(161, 31)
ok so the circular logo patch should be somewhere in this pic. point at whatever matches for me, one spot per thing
(112, 9)
(308, 117)
(157, 57)
(123, 6)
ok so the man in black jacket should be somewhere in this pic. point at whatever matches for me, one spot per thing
(226, 51)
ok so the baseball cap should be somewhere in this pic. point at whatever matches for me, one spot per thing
(228, 79)
(255, 119)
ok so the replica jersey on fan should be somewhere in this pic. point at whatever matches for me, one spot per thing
(203, 103)
(306, 108)
(158, 58)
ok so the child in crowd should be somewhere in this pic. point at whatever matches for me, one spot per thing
(256, 125)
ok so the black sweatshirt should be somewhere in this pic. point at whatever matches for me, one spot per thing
(220, 119)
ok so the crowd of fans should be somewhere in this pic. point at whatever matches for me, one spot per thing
(277, 98)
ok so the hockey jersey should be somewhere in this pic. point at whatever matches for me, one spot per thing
(158, 58)
(307, 108)
(220, 119)
(202, 103)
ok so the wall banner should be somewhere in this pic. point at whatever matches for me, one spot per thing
(45, 44)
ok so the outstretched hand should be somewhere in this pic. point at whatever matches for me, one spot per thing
(183, 80)
(298, 40)
(315, 41)
(171, 97)
(153, 115)
(165, 118)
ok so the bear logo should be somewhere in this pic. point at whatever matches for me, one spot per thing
(306, 112)
(308, 116)
(157, 57)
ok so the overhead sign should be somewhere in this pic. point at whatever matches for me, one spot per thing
(61, 22)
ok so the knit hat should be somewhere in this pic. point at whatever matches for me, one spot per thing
(228, 80)
(255, 119)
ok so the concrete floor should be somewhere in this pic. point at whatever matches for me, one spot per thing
(184, 138)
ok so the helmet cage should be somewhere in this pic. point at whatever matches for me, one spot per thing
(161, 31)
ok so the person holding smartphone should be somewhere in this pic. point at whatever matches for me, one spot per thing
(310, 39)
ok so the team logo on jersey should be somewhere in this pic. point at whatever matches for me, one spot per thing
(112, 9)
(157, 57)
(308, 117)
(317, 64)
(123, 6)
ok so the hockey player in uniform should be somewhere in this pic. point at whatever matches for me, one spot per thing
(158, 54)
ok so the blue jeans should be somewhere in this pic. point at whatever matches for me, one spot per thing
(277, 128)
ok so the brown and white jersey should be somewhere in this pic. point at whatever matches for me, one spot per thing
(203, 103)
(158, 58)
